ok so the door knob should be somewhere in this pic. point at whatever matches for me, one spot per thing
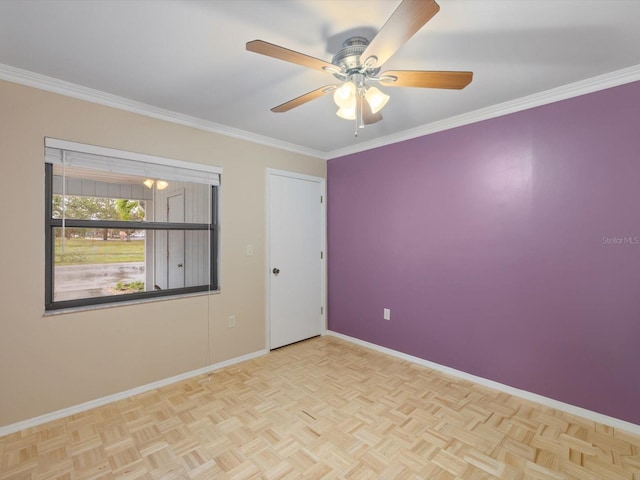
(276, 271)
(179, 265)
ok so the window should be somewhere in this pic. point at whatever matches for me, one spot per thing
(122, 226)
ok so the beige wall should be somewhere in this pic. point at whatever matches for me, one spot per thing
(52, 362)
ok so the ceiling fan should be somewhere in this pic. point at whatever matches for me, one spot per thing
(359, 62)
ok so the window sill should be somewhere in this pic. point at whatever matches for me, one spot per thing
(85, 308)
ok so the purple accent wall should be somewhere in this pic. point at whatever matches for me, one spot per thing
(507, 249)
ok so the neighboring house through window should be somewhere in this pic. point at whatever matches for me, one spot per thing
(123, 226)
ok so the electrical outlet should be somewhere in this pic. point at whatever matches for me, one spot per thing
(387, 314)
(232, 321)
(249, 250)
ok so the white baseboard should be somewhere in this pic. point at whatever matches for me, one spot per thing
(534, 397)
(516, 392)
(65, 412)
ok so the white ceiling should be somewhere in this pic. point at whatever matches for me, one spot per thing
(189, 57)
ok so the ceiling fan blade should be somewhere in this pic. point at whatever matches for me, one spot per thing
(302, 99)
(368, 118)
(426, 79)
(407, 19)
(281, 53)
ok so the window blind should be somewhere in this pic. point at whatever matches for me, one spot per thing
(130, 163)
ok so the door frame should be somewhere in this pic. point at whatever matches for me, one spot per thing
(323, 245)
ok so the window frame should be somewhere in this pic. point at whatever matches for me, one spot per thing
(52, 223)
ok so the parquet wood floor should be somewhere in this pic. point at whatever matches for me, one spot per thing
(322, 409)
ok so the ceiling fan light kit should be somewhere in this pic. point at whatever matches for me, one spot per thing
(160, 184)
(377, 100)
(345, 95)
(348, 113)
(355, 97)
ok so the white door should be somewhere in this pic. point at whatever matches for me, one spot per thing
(175, 242)
(296, 230)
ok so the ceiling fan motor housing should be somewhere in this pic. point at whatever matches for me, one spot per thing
(348, 58)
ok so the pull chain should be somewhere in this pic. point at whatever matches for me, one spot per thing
(359, 112)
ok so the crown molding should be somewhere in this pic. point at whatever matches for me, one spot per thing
(582, 87)
(50, 84)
